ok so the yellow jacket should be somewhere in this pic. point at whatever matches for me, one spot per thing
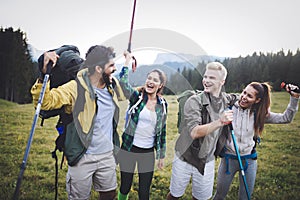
(80, 102)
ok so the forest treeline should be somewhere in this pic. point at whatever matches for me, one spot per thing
(270, 67)
(18, 71)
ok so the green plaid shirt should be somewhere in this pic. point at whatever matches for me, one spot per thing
(161, 113)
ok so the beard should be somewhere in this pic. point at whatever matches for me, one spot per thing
(106, 78)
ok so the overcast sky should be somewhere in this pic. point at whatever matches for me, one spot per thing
(227, 28)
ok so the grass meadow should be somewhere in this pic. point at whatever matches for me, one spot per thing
(278, 175)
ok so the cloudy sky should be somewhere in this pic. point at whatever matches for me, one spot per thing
(227, 28)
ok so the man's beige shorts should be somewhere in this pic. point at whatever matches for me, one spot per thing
(97, 170)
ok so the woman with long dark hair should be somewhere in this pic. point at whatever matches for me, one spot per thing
(250, 114)
(145, 131)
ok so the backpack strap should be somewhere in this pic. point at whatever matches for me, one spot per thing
(56, 172)
(163, 102)
(58, 146)
(61, 127)
(132, 108)
(204, 113)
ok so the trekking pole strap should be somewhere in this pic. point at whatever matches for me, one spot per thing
(56, 172)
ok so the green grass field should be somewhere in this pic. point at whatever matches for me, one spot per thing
(278, 175)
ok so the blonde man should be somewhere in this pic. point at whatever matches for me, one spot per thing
(196, 145)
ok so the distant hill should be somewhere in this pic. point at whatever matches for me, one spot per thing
(169, 63)
(180, 57)
(139, 76)
(179, 61)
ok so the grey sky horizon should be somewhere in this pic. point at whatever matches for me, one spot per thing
(226, 28)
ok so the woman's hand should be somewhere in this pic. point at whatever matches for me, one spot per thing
(290, 87)
(128, 57)
(160, 164)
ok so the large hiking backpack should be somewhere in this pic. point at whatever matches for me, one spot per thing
(66, 68)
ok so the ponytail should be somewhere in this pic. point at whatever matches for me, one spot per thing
(261, 108)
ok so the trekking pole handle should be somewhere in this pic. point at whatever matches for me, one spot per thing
(49, 67)
(296, 89)
(230, 122)
(230, 125)
(134, 63)
(129, 47)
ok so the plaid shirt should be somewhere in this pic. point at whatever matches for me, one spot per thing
(161, 112)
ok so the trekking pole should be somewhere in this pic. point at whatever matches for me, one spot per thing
(37, 111)
(239, 160)
(134, 63)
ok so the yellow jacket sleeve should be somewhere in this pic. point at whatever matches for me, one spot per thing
(55, 98)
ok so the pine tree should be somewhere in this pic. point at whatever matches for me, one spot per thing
(16, 66)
